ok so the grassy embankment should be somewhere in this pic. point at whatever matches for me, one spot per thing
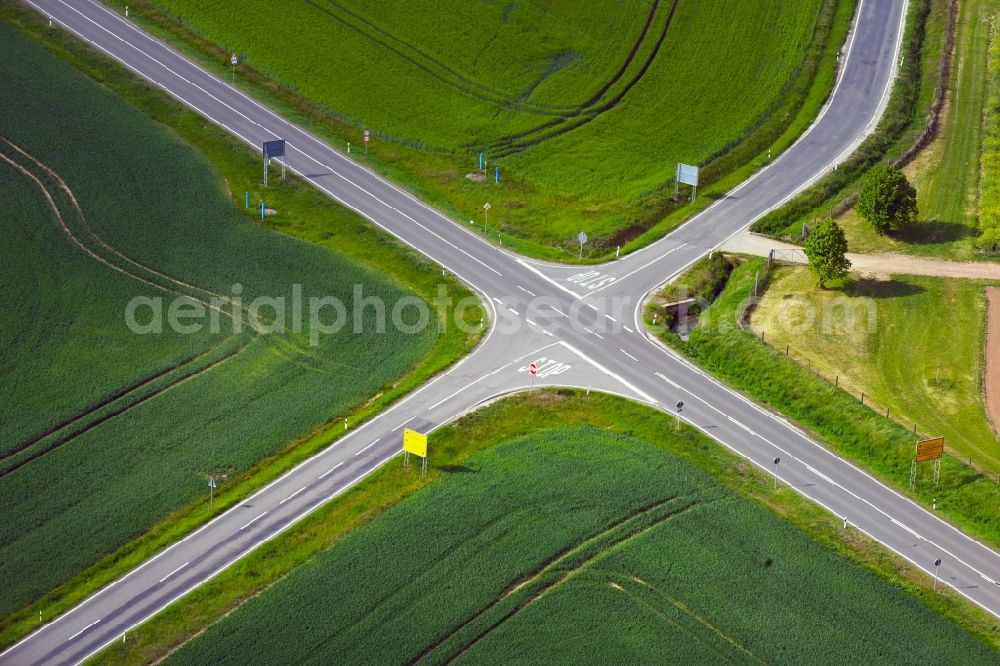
(615, 453)
(124, 452)
(912, 344)
(947, 171)
(989, 185)
(966, 496)
(917, 92)
(946, 174)
(541, 96)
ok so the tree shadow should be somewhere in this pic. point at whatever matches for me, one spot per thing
(932, 232)
(873, 288)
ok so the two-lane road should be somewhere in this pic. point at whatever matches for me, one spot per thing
(581, 327)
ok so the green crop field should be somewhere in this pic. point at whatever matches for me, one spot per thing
(106, 431)
(586, 107)
(575, 545)
(884, 337)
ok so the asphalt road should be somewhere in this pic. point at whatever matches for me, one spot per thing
(580, 325)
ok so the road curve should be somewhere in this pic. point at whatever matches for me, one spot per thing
(580, 331)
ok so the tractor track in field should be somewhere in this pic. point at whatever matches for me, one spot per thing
(576, 116)
(662, 612)
(33, 455)
(534, 587)
(56, 191)
(215, 302)
(107, 401)
(552, 129)
(61, 187)
(435, 68)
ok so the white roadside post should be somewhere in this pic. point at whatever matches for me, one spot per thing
(232, 61)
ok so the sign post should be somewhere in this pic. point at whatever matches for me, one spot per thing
(232, 61)
(271, 149)
(937, 564)
(211, 491)
(415, 443)
(533, 369)
(582, 237)
(776, 461)
(927, 449)
(688, 175)
(367, 136)
(486, 215)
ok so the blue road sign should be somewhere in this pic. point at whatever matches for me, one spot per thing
(274, 148)
(498, 174)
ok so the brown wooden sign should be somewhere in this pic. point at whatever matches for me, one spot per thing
(930, 449)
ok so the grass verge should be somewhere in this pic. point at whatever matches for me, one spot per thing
(719, 344)
(884, 338)
(946, 173)
(912, 97)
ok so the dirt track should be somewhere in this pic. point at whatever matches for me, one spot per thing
(991, 373)
(887, 263)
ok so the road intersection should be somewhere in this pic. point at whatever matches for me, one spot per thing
(580, 325)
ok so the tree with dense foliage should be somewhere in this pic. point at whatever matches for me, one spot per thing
(990, 239)
(826, 248)
(887, 199)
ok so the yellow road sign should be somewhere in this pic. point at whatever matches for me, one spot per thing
(930, 449)
(415, 443)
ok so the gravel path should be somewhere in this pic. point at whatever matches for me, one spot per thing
(992, 373)
(872, 264)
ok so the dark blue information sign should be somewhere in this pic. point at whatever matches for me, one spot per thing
(274, 148)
